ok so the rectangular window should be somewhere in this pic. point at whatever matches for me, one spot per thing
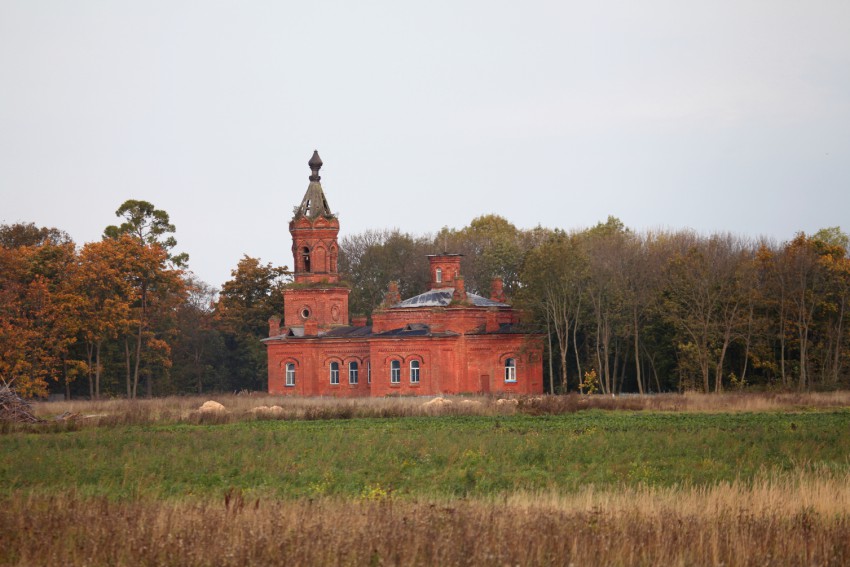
(352, 372)
(395, 372)
(334, 372)
(290, 374)
(368, 371)
(510, 370)
(414, 371)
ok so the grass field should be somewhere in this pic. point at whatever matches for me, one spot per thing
(542, 482)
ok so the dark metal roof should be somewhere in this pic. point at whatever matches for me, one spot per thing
(349, 332)
(414, 330)
(410, 330)
(443, 297)
(506, 329)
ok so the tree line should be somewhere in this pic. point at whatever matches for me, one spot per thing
(621, 311)
(124, 316)
(652, 311)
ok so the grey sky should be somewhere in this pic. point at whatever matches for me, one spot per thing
(723, 115)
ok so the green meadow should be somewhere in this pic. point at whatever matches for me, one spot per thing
(415, 457)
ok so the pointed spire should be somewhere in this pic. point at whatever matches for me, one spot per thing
(315, 164)
(314, 203)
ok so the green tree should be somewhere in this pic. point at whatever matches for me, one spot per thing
(372, 259)
(198, 349)
(707, 302)
(148, 225)
(246, 301)
(492, 247)
(604, 247)
(554, 280)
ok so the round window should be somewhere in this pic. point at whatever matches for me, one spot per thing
(305, 313)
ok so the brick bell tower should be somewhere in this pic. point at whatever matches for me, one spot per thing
(315, 301)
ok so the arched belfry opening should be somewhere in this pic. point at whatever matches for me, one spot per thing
(305, 258)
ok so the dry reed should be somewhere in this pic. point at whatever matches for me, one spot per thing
(791, 520)
(177, 409)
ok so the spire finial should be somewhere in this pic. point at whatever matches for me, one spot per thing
(315, 164)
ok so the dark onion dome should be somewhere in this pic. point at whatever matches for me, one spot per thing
(315, 164)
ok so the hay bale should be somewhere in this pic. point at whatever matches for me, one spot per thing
(212, 407)
(507, 402)
(437, 402)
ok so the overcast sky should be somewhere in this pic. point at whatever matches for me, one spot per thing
(729, 115)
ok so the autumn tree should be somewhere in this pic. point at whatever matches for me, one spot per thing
(19, 235)
(156, 281)
(38, 316)
(105, 291)
(833, 245)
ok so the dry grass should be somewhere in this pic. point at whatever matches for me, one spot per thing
(239, 407)
(801, 520)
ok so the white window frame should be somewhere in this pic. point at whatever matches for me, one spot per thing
(353, 372)
(439, 275)
(334, 373)
(395, 372)
(290, 374)
(510, 370)
(368, 371)
(414, 372)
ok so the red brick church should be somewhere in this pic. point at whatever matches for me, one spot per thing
(446, 340)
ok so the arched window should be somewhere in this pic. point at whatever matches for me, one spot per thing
(414, 371)
(439, 275)
(352, 372)
(290, 374)
(334, 372)
(305, 256)
(395, 372)
(510, 370)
